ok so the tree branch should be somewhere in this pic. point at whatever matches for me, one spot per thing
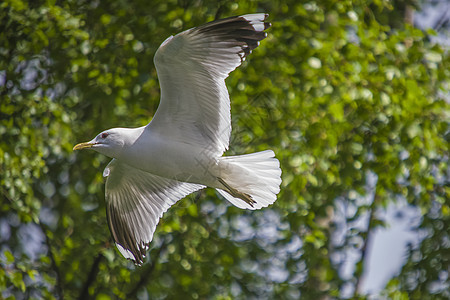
(54, 267)
(91, 277)
(146, 274)
(367, 240)
(442, 21)
(59, 283)
(219, 11)
(409, 15)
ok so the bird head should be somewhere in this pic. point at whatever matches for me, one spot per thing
(109, 142)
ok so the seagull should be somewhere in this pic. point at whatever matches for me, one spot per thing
(180, 150)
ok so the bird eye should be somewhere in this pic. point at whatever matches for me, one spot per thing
(104, 135)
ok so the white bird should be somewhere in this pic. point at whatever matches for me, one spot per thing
(180, 150)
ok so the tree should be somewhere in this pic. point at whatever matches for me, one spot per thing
(353, 106)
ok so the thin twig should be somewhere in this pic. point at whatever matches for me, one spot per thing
(145, 276)
(442, 21)
(59, 283)
(219, 11)
(91, 277)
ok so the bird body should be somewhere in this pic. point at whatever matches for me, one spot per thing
(168, 158)
(180, 150)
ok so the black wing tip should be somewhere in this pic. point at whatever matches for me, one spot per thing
(124, 237)
(251, 21)
(138, 253)
(237, 22)
(245, 30)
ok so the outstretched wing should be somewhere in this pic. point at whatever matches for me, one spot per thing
(192, 67)
(135, 201)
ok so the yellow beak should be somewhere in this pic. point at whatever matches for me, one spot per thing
(81, 146)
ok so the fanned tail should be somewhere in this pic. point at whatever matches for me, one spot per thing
(250, 181)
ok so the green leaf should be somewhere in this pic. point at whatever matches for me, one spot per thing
(9, 257)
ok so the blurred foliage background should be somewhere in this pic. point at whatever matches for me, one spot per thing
(352, 98)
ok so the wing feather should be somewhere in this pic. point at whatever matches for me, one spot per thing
(192, 67)
(135, 201)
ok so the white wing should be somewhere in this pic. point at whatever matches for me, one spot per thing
(192, 67)
(135, 201)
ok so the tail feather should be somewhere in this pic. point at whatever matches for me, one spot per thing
(257, 174)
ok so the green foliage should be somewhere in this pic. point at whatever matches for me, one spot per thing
(338, 91)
